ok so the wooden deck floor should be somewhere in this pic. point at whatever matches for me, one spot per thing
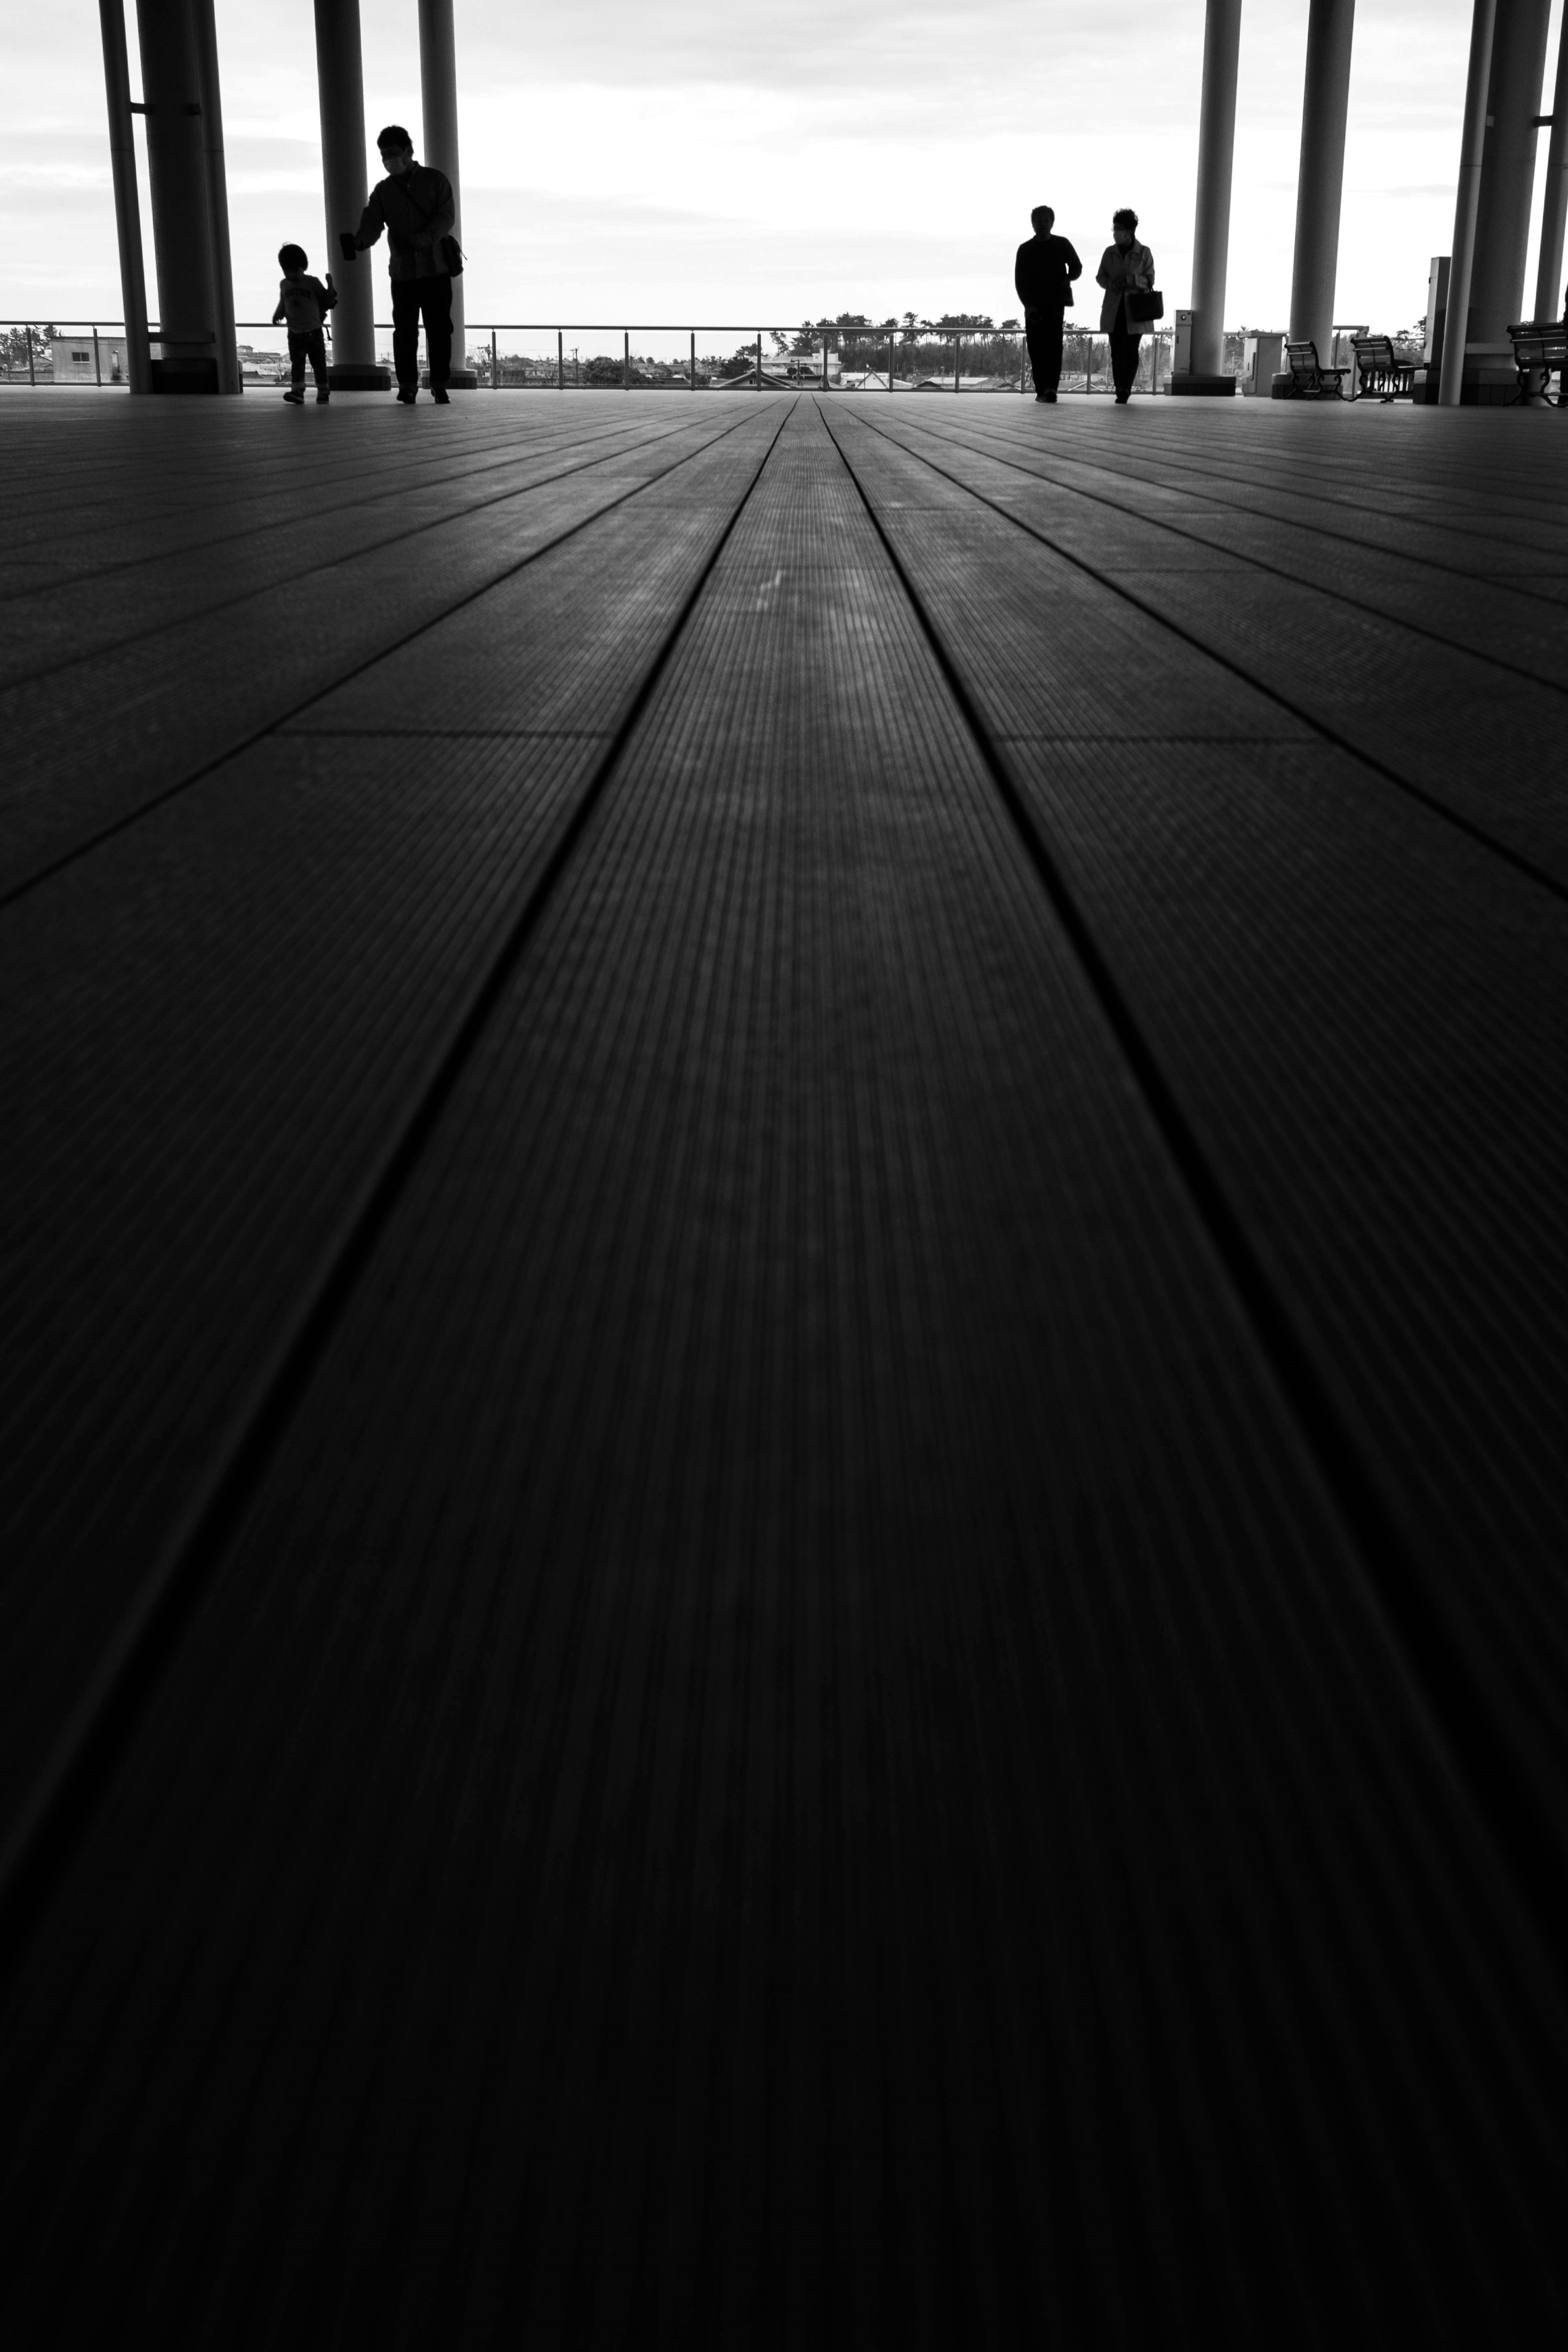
(786, 1287)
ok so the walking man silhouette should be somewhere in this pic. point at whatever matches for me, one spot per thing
(1042, 279)
(414, 204)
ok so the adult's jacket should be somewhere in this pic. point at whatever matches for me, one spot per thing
(416, 212)
(1044, 272)
(1118, 272)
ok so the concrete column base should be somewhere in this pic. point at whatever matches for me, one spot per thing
(460, 380)
(1491, 379)
(184, 375)
(354, 375)
(1209, 387)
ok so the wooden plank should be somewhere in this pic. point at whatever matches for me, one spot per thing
(230, 1008)
(1414, 461)
(1362, 1013)
(152, 571)
(1396, 493)
(1469, 737)
(791, 1729)
(1430, 580)
(266, 488)
(141, 720)
(154, 464)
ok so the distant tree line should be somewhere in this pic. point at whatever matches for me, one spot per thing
(921, 348)
(15, 343)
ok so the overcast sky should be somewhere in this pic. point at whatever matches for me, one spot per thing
(675, 159)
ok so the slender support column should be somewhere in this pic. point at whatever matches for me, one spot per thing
(127, 202)
(214, 176)
(1550, 300)
(1508, 171)
(1472, 145)
(439, 87)
(1320, 182)
(171, 82)
(340, 87)
(1211, 230)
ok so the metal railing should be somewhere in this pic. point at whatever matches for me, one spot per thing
(879, 358)
(874, 353)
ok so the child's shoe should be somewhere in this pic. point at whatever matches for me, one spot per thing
(295, 396)
(322, 396)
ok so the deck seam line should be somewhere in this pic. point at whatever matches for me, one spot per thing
(85, 848)
(416, 530)
(1277, 572)
(1368, 760)
(389, 488)
(1457, 1709)
(39, 1844)
(1273, 489)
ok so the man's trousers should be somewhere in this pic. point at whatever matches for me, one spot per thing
(1043, 331)
(412, 296)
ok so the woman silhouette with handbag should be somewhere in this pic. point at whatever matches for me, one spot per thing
(1127, 273)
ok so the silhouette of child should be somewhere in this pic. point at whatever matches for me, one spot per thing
(302, 304)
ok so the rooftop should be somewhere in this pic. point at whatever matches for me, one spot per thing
(787, 1289)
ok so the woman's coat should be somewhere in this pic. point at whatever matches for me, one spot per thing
(1118, 272)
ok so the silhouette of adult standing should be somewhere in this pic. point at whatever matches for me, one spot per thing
(414, 204)
(1124, 265)
(1042, 279)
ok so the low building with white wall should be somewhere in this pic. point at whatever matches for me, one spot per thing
(89, 359)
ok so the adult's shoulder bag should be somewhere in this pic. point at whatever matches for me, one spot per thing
(1144, 306)
(451, 252)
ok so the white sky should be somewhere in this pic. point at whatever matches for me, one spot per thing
(707, 159)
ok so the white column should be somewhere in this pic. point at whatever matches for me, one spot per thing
(1320, 182)
(1549, 295)
(216, 174)
(177, 63)
(1473, 146)
(1507, 168)
(340, 83)
(127, 203)
(1211, 229)
(438, 87)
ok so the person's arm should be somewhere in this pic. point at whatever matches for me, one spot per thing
(329, 294)
(1146, 271)
(1101, 276)
(278, 314)
(1019, 289)
(1074, 265)
(372, 222)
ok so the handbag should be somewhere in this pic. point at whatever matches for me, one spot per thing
(1144, 306)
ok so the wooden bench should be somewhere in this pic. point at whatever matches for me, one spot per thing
(1539, 346)
(1309, 380)
(1381, 373)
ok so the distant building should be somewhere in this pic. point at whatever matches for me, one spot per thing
(77, 362)
(261, 367)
